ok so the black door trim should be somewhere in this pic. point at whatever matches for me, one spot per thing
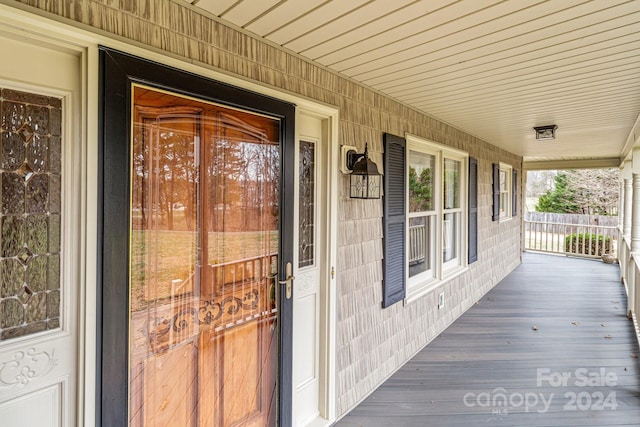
(117, 72)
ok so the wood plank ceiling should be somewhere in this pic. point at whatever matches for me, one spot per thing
(494, 68)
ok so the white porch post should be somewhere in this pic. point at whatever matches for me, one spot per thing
(635, 243)
(621, 204)
(627, 264)
(635, 214)
(628, 204)
(620, 240)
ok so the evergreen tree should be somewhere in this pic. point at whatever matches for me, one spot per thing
(561, 199)
(420, 190)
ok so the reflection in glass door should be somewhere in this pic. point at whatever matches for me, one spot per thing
(204, 246)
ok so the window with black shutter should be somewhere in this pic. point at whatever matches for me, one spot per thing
(394, 246)
(430, 216)
(504, 191)
(473, 211)
(514, 203)
(496, 192)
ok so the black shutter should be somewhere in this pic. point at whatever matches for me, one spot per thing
(473, 211)
(496, 192)
(514, 194)
(394, 263)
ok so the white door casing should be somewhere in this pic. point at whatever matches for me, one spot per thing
(39, 371)
(312, 270)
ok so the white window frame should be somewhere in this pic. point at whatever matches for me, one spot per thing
(429, 275)
(440, 272)
(506, 209)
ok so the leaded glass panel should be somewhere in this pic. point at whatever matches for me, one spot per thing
(30, 168)
(306, 222)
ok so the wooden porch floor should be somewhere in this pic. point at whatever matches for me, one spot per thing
(494, 353)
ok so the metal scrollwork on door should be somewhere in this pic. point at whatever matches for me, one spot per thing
(210, 313)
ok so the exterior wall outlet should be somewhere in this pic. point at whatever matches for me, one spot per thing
(440, 300)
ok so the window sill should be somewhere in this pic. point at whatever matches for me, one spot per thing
(432, 284)
(506, 219)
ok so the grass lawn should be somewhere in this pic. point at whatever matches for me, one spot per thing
(159, 257)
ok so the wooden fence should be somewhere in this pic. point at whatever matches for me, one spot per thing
(558, 218)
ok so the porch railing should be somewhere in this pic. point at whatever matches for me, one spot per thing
(552, 237)
(570, 239)
(630, 276)
(416, 243)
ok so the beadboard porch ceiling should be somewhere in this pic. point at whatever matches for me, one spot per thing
(493, 68)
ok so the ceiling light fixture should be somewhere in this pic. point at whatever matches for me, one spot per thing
(544, 133)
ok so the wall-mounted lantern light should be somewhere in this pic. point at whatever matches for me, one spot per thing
(545, 132)
(365, 180)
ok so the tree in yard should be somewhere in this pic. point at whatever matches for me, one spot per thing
(420, 190)
(538, 182)
(561, 199)
(596, 190)
(582, 191)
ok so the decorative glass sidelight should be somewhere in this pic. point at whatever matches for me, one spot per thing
(204, 249)
(30, 207)
(306, 203)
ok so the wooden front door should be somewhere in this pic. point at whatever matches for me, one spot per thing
(208, 326)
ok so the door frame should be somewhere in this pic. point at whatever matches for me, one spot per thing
(21, 20)
(326, 261)
(47, 364)
(117, 73)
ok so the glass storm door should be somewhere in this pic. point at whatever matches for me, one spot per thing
(204, 250)
(197, 232)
